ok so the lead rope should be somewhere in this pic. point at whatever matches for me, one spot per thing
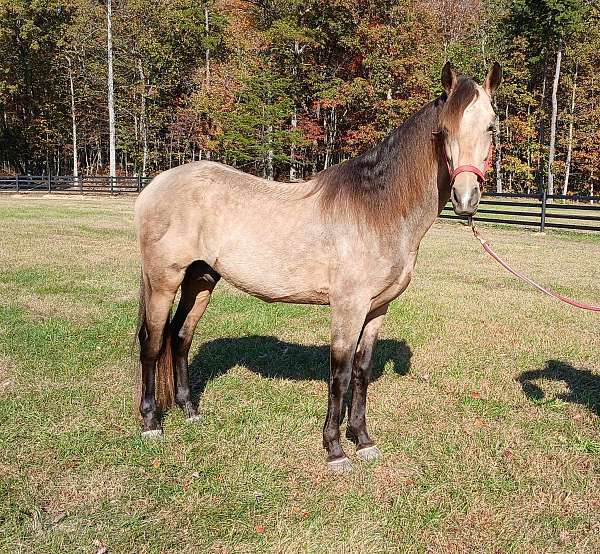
(557, 296)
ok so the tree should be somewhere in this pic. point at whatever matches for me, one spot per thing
(284, 89)
(547, 25)
(111, 93)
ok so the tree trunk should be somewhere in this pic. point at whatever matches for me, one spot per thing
(207, 52)
(111, 92)
(553, 121)
(293, 147)
(143, 127)
(498, 152)
(539, 172)
(269, 165)
(73, 121)
(570, 143)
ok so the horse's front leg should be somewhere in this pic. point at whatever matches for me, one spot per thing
(347, 320)
(356, 430)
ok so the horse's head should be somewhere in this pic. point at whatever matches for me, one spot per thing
(466, 124)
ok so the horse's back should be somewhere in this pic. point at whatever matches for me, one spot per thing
(262, 236)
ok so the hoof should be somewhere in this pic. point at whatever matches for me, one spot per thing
(343, 465)
(154, 434)
(193, 420)
(369, 454)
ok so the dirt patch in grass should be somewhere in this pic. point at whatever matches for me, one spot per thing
(6, 365)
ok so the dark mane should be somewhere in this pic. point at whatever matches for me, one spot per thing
(383, 184)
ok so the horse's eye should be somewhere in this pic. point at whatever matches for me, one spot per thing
(491, 128)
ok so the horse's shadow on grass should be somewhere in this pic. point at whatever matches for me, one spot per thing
(272, 358)
(584, 386)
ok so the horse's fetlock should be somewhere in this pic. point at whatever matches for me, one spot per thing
(182, 396)
(147, 407)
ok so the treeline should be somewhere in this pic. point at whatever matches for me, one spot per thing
(285, 88)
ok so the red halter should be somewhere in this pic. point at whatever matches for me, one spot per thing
(470, 168)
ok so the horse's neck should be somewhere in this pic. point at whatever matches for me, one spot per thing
(424, 214)
(434, 195)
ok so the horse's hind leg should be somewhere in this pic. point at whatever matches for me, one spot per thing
(356, 430)
(196, 289)
(155, 356)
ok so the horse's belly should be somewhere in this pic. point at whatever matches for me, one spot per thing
(277, 284)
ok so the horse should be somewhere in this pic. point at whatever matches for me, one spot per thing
(347, 238)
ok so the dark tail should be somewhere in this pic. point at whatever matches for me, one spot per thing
(163, 375)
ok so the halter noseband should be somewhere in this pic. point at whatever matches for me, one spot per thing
(469, 168)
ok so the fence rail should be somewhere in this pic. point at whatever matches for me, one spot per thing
(580, 213)
(69, 184)
(543, 211)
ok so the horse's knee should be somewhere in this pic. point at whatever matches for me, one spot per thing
(341, 381)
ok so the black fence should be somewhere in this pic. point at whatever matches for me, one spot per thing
(69, 184)
(542, 211)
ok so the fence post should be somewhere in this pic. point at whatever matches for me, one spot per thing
(112, 185)
(49, 182)
(139, 183)
(543, 219)
(80, 179)
(17, 180)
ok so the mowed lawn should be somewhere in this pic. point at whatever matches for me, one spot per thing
(486, 405)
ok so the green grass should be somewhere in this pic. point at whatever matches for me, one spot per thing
(485, 404)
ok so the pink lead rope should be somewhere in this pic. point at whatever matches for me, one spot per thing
(488, 249)
(486, 246)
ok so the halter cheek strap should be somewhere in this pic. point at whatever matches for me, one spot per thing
(470, 168)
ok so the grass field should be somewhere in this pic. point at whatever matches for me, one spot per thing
(486, 405)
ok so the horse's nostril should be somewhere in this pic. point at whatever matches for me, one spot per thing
(475, 197)
(455, 197)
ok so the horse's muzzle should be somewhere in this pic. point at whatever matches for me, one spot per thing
(465, 199)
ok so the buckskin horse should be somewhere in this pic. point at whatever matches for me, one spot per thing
(348, 238)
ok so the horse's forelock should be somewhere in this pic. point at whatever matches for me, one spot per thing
(460, 97)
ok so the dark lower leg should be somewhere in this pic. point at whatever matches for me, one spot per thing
(356, 430)
(148, 410)
(151, 336)
(195, 295)
(361, 376)
(341, 370)
(347, 323)
(183, 395)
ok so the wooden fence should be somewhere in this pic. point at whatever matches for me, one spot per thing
(581, 213)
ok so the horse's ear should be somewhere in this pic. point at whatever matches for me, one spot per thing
(493, 79)
(448, 77)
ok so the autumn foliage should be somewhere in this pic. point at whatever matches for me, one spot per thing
(284, 89)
